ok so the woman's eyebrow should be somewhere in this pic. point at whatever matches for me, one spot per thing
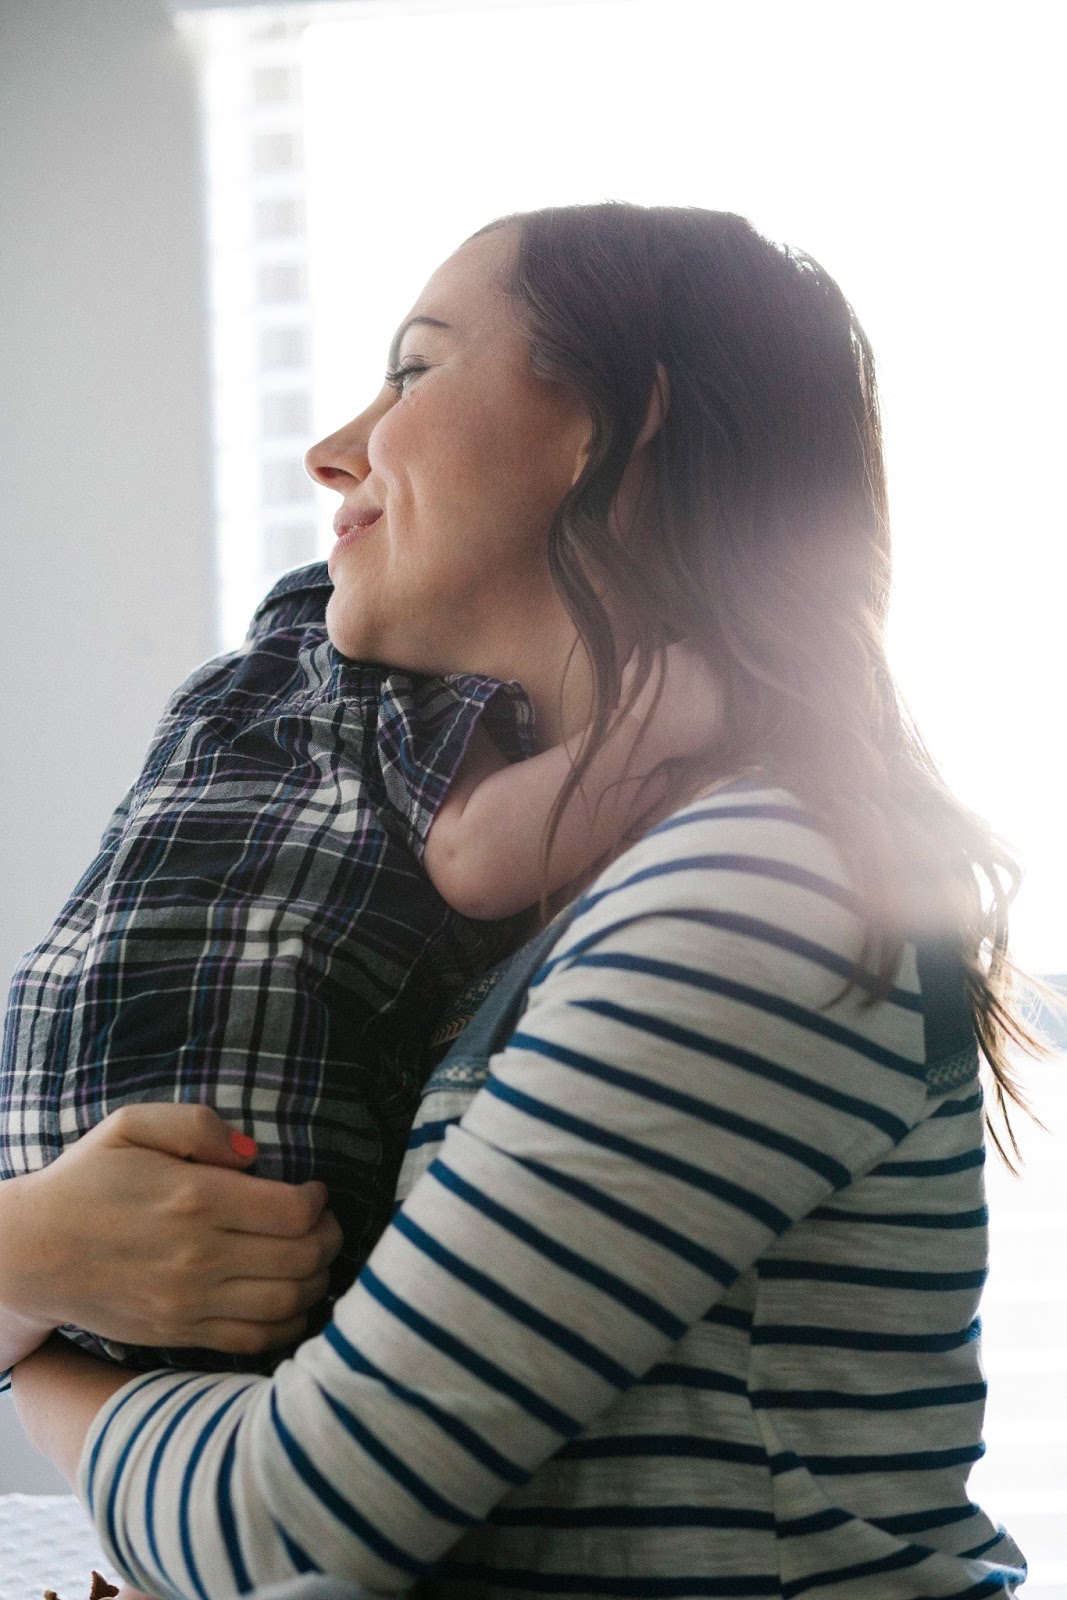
(429, 322)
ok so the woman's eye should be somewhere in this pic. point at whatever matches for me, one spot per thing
(399, 376)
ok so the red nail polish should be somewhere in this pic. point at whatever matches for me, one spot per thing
(242, 1145)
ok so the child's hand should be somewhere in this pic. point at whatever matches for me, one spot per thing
(689, 709)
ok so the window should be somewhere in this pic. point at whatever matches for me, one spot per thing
(262, 335)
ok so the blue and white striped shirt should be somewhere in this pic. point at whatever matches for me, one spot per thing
(684, 1304)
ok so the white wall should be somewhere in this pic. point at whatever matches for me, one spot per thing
(106, 586)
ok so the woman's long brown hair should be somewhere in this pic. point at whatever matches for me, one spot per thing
(764, 543)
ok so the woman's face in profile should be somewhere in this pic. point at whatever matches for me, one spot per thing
(461, 466)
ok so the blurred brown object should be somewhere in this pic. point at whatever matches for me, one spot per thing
(100, 1589)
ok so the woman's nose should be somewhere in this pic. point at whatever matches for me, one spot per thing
(340, 459)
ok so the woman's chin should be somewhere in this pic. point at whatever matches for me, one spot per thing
(344, 633)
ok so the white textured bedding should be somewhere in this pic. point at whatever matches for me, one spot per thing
(47, 1542)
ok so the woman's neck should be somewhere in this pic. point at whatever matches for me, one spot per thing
(559, 685)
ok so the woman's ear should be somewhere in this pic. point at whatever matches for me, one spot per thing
(658, 403)
(582, 456)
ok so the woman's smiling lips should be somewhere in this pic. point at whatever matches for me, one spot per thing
(350, 526)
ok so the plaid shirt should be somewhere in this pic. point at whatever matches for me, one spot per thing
(256, 931)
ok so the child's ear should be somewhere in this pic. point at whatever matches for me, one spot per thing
(658, 403)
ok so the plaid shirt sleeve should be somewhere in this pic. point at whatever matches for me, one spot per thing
(424, 727)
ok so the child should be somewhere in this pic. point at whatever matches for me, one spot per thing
(318, 856)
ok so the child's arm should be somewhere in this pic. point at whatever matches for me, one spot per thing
(483, 851)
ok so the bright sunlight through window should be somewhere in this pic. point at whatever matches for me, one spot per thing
(912, 150)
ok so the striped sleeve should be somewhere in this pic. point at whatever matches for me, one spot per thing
(679, 1092)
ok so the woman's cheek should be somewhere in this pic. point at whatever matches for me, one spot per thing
(381, 447)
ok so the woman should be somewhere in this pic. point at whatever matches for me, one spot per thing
(686, 1304)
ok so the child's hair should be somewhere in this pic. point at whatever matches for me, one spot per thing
(764, 543)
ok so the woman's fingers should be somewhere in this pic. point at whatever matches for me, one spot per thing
(190, 1132)
(259, 1256)
(245, 1316)
(231, 1199)
(267, 1300)
(186, 1310)
(136, 1233)
(245, 1338)
(262, 1205)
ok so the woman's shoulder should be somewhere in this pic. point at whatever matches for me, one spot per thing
(743, 838)
(743, 882)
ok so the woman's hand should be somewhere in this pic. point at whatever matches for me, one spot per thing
(147, 1231)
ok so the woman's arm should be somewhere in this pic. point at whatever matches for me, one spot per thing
(147, 1231)
(483, 850)
(58, 1391)
(617, 1173)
